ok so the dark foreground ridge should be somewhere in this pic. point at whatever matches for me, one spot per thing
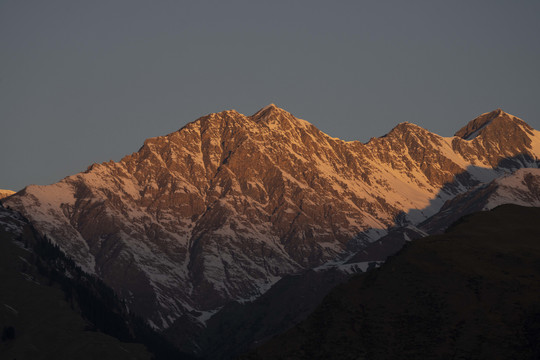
(471, 293)
(50, 309)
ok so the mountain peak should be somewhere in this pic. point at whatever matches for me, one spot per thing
(270, 106)
(277, 118)
(485, 122)
(404, 127)
(407, 125)
(269, 111)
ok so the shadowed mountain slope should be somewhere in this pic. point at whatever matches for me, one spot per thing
(471, 293)
(238, 327)
(53, 310)
(43, 324)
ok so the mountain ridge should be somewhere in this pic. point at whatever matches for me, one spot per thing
(224, 207)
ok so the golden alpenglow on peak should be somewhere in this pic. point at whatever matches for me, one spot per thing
(493, 119)
(5, 193)
(268, 111)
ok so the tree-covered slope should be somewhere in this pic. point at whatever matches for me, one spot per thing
(38, 323)
(51, 309)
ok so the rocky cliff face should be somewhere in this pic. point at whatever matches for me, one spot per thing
(227, 205)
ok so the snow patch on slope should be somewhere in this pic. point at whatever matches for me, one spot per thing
(45, 207)
(514, 189)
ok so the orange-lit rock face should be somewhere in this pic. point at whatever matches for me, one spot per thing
(223, 207)
(6, 193)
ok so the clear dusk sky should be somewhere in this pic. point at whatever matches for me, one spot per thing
(88, 81)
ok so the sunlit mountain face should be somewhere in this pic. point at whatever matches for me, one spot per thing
(6, 193)
(225, 207)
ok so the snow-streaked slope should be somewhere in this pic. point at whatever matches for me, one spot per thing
(224, 207)
(521, 187)
(11, 222)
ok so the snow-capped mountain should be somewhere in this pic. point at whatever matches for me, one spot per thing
(224, 207)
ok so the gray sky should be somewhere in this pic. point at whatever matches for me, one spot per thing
(88, 81)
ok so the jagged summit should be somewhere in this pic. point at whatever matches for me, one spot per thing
(496, 121)
(270, 115)
(404, 127)
(270, 106)
(471, 130)
(270, 112)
